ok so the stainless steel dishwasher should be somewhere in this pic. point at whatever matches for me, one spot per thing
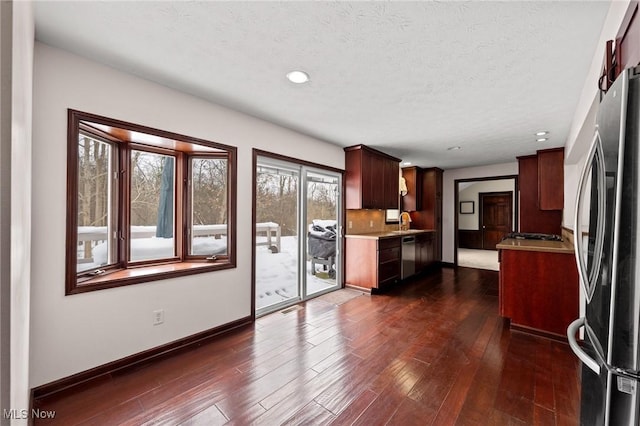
(408, 257)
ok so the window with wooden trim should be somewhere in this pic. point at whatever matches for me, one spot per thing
(145, 204)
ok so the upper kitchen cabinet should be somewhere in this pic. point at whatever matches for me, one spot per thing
(429, 217)
(412, 200)
(532, 218)
(432, 204)
(371, 178)
(551, 179)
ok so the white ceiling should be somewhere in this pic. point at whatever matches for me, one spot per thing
(409, 78)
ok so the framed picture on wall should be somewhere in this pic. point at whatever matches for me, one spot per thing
(467, 207)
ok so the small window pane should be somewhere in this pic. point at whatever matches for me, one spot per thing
(95, 246)
(152, 213)
(209, 222)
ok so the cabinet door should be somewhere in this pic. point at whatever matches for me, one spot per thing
(532, 219)
(551, 179)
(391, 182)
(412, 201)
(371, 185)
(375, 182)
(389, 261)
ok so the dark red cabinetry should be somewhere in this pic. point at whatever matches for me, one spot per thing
(371, 179)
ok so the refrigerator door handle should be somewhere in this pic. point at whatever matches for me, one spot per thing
(595, 158)
(577, 349)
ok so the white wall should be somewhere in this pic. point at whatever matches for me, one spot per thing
(471, 193)
(75, 333)
(448, 198)
(16, 38)
(582, 125)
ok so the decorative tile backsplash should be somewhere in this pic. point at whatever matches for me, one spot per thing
(361, 222)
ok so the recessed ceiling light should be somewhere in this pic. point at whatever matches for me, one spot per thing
(453, 148)
(406, 163)
(542, 133)
(541, 139)
(298, 77)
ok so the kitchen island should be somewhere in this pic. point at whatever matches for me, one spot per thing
(538, 285)
(374, 260)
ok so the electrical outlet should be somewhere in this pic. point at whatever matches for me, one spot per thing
(350, 224)
(370, 224)
(158, 317)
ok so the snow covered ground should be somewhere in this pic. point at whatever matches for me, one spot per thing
(277, 274)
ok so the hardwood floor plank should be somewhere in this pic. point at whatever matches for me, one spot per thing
(311, 414)
(117, 415)
(429, 351)
(287, 390)
(411, 412)
(354, 410)
(209, 416)
(543, 417)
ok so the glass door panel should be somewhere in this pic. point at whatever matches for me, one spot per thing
(322, 229)
(277, 238)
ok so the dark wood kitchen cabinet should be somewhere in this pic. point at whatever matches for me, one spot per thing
(429, 217)
(425, 250)
(532, 218)
(551, 179)
(372, 263)
(539, 290)
(371, 178)
(432, 207)
(412, 201)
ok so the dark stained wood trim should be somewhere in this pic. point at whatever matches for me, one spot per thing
(134, 360)
(373, 150)
(261, 153)
(180, 269)
(184, 264)
(456, 190)
(86, 116)
(254, 176)
(624, 26)
(71, 254)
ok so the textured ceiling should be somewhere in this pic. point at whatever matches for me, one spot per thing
(409, 78)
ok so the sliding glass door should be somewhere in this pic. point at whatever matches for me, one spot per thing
(297, 237)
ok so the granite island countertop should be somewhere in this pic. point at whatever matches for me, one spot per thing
(564, 246)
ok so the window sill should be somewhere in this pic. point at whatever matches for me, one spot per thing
(145, 274)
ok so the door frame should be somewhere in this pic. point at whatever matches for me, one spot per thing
(341, 215)
(456, 200)
(481, 196)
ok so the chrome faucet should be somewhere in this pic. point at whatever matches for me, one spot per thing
(405, 220)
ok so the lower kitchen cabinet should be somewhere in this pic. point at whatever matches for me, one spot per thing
(425, 250)
(372, 263)
(539, 290)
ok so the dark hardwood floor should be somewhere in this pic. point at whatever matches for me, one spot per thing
(431, 352)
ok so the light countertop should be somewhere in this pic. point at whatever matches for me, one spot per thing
(389, 234)
(536, 245)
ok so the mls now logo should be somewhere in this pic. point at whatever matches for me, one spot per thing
(36, 413)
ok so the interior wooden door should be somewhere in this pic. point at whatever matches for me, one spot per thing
(496, 217)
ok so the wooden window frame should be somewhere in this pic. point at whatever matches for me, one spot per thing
(123, 271)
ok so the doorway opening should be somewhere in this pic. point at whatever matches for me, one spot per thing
(487, 209)
(297, 223)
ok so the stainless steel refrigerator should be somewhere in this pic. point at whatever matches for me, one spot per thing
(608, 206)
